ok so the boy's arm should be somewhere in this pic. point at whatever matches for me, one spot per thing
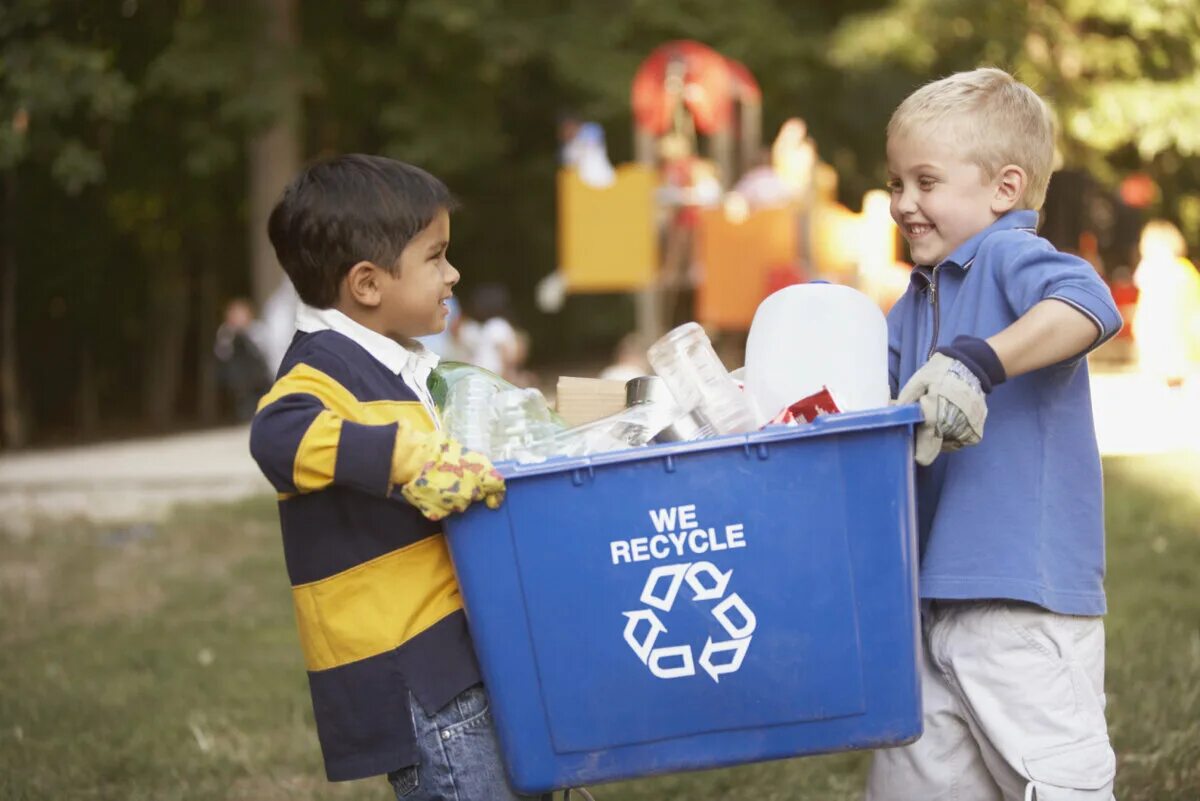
(1064, 310)
(305, 438)
(1049, 333)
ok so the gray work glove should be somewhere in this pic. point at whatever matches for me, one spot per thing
(952, 390)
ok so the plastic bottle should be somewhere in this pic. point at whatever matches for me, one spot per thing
(809, 336)
(522, 428)
(628, 428)
(685, 359)
(469, 411)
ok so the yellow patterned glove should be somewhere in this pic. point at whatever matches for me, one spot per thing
(448, 477)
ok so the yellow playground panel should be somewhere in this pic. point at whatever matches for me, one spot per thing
(606, 235)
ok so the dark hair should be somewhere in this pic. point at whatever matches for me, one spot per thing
(348, 209)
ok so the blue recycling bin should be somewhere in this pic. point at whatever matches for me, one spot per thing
(701, 604)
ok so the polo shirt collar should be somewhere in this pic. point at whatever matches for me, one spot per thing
(414, 359)
(964, 255)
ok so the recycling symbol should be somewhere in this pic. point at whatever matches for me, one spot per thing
(706, 583)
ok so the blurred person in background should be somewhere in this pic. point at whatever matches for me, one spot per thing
(451, 344)
(277, 324)
(584, 149)
(687, 184)
(629, 359)
(242, 369)
(1166, 323)
(794, 158)
(490, 338)
(762, 187)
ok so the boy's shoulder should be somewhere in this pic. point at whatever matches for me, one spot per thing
(1011, 244)
(340, 362)
(328, 352)
(1019, 249)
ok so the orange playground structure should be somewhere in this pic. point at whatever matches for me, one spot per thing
(706, 215)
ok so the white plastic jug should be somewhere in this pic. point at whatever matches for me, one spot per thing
(809, 336)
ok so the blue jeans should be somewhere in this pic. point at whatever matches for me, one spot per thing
(460, 758)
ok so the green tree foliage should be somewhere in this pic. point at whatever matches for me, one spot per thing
(1122, 75)
(126, 124)
(60, 101)
(60, 95)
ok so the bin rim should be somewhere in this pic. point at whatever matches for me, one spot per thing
(825, 425)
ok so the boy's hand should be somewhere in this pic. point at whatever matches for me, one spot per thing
(951, 388)
(451, 479)
(953, 403)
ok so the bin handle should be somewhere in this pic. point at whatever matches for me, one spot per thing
(577, 475)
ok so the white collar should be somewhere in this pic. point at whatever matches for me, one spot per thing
(416, 360)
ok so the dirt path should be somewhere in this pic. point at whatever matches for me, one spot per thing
(127, 481)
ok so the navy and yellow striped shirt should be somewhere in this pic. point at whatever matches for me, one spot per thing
(377, 603)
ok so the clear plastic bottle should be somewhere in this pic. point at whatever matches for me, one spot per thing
(469, 411)
(522, 427)
(685, 359)
(628, 428)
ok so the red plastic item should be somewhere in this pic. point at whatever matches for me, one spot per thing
(808, 408)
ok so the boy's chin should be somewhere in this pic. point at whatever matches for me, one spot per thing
(431, 328)
(925, 256)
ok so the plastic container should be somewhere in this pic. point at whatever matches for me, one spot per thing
(690, 606)
(488, 414)
(469, 411)
(809, 336)
(521, 426)
(685, 359)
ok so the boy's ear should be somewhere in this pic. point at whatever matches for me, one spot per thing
(1010, 186)
(363, 284)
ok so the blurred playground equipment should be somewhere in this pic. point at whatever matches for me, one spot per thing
(706, 222)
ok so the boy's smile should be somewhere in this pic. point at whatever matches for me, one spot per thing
(940, 198)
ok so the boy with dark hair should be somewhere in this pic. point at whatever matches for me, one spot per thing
(349, 437)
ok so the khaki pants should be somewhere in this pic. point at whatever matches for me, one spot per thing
(1013, 709)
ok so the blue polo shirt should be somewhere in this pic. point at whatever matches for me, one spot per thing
(1021, 514)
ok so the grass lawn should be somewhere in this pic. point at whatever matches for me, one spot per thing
(161, 663)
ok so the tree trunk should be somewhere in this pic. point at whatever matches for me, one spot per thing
(12, 423)
(164, 346)
(274, 153)
(206, 329)
(89, 393)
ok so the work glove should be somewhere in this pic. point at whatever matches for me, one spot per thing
(951, 389)
(439, 476)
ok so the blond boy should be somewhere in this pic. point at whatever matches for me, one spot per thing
(995, 325)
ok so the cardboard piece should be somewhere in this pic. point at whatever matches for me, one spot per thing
(582, 400)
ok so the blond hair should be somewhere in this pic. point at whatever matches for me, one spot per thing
(996, 118)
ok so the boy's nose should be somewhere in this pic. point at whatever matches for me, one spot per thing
(904, 202)
(452, 275)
